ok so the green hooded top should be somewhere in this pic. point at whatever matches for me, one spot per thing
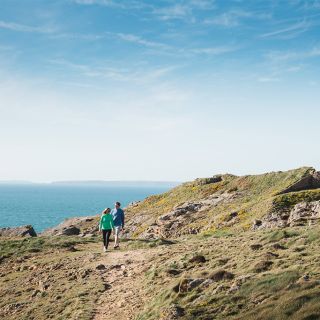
(106, 222)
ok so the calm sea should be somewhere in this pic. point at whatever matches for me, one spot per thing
(45, 206)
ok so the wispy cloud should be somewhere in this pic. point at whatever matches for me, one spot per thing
(140, 41)
(268, 79)
(182, 10)
(235, 17)
(213, 50)
(288, 32)
(127, 4)
(24, 28)
(288, 56)
(137, 75)
(177, 11)
(162, 48)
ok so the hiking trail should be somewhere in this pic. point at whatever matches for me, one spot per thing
(123, 275)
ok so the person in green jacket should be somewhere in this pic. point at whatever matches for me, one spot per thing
(106, 226)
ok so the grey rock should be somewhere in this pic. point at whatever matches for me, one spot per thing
(310, 181)
(69, 231)
(195, 283)
(304, 213)
(23, 231)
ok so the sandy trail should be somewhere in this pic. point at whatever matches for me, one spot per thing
(124, 296)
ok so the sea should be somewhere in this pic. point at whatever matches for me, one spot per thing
(46, 205)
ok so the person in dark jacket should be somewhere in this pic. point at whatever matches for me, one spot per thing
(118, 220)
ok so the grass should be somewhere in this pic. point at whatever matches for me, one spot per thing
(287, 201)
(255, 197)
(32, 261)
(15, 248)
(274, 293)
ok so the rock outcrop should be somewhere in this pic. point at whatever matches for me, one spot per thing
(83, 226)
(303, 213)
(310, 181)
(23, 231)
(178, 221)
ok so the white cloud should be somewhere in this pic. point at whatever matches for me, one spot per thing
(183, 10)
(234, 18)
(115, 4)
(268, 79)
(136, 75)
(138, 40)
(178, 11)
(213, 50)
(24, 28)
(286, 56)
(288, 32)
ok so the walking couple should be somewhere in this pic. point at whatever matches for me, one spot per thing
(111, 220)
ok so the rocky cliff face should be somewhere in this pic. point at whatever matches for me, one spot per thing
(302, 214)
(272, 200)
(80, 226)
(23, 231)
(236, 251)
(221, 202)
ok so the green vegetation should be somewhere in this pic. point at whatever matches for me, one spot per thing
(250, 197)
(20, 247)
(287, 201)
(214, 268)
(277, 292)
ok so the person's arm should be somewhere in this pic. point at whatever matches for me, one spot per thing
(100, 223)
(122, 218)
(111, 222)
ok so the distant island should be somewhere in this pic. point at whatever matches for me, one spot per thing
(129, 183)
(117, 183)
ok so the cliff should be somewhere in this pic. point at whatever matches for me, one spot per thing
(223, 247)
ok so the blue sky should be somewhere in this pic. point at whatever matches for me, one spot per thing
(157, 90)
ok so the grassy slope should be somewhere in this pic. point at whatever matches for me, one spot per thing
(29, 264)
(75, 284)
(276, 293)
(257, 196)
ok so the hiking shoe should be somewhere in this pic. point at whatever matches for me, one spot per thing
(104, 249)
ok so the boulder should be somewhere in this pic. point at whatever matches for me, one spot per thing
(256, 246)
(310, 181)
(221, 275)
(172, 312)
(204, 181)
(69, 231)
(195, 283)
(304, 213)
(73, 226)
(262, 266)
(23, 231)
(198, 259)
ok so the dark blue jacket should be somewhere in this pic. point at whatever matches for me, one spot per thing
(118, 217)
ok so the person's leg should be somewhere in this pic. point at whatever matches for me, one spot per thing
(104, 235)
(108, 238)
(116, 236)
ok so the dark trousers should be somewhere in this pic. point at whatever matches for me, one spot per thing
(106, 235)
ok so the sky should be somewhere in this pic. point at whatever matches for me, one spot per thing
(157, 90)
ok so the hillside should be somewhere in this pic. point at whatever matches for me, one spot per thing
(255, 275)
(224, 202)
(223, 247)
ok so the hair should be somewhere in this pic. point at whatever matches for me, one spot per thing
(106, 210)
(118, 203)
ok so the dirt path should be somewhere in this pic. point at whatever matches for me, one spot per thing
(123, 277)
